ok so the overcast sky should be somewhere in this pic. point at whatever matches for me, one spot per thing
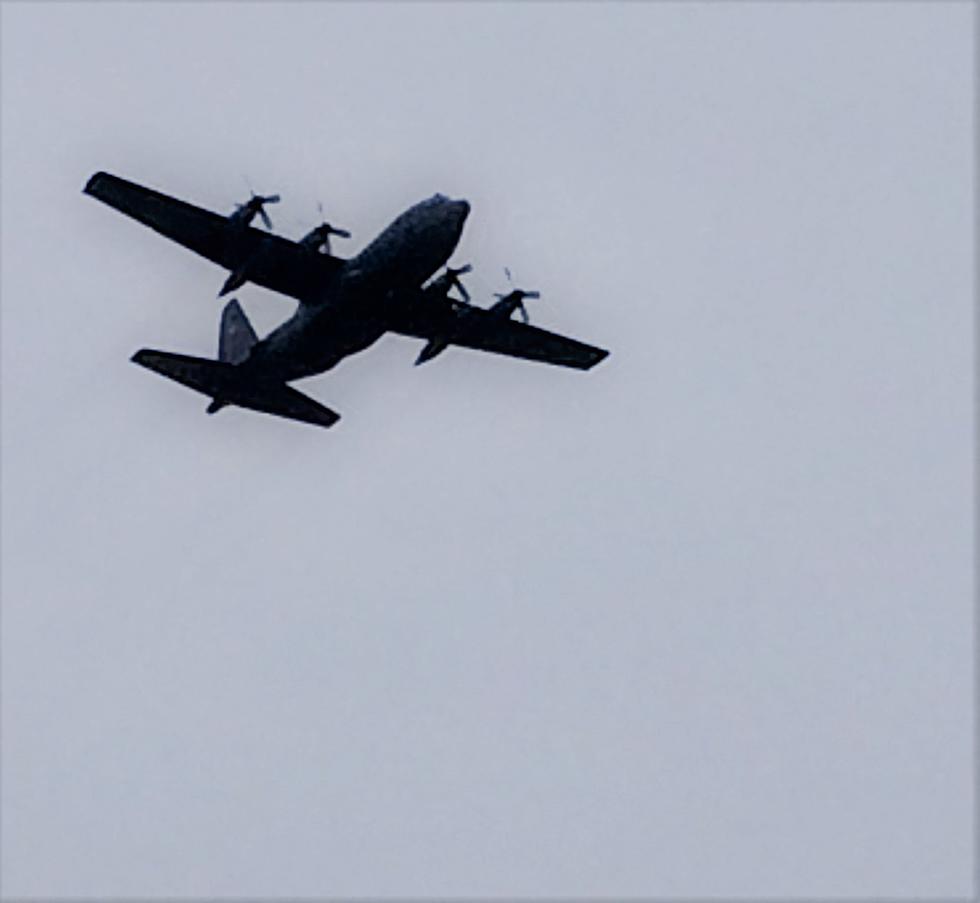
(697, 622)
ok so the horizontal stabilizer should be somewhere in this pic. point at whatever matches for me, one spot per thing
(226, 383)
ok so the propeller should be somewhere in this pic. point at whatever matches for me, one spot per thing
(260, 203)
(320, 235)
(514, 299)
(330, 230)
(452, 276)
(256, 204)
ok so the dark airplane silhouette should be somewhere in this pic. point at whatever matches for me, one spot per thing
(345, 305)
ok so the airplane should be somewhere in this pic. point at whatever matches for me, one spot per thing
(344, 305)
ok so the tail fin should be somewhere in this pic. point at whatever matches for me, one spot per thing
(236, 337)
(224, 381)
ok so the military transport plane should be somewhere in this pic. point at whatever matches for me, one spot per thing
(344, 305)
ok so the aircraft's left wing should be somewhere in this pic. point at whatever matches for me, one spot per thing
(475, 327)
(270, 260)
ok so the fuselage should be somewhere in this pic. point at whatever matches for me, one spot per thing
(349, 313)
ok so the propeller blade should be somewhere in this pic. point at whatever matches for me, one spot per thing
(343, 233)
(532, 294)
(523, 310)
(507, 271)
(265, 219)
(454, 273)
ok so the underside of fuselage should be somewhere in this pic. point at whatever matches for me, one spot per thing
(352, 314)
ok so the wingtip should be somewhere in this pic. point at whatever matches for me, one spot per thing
(92, 184)
(142, 357)
(598, 356)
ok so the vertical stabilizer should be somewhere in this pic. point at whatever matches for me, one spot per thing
(237, 336)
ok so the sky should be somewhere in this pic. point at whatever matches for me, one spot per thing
(695, 623)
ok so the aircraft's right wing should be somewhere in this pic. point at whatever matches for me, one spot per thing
(272, 261)
(475, 327)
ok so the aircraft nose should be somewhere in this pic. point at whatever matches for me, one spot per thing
(462, 209)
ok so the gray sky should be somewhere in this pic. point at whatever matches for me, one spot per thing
(695, 623)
